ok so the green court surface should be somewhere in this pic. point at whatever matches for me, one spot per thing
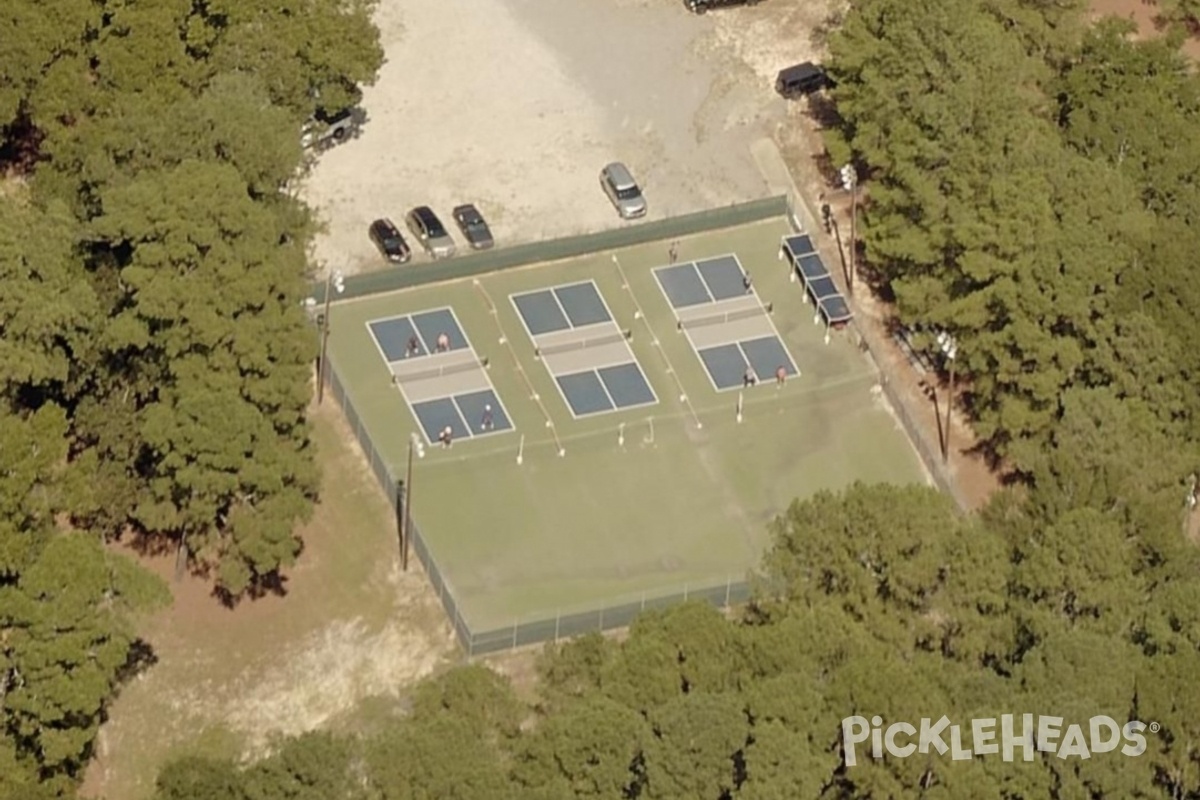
(679, 496)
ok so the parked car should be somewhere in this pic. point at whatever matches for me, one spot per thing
(324, 130)
(390, 241)
(802, 79)
(700, 6)
(432, 234)
(623, 191)
(473, 226)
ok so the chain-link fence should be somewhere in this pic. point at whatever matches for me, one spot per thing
(550, 626)
(534, 628)
(389, 280)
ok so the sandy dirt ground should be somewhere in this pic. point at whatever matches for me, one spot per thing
(516, 105)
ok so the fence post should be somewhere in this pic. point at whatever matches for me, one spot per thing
(728, 582)
(557, 621)
(602, 616)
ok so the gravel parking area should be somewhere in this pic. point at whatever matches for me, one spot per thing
(515, 105)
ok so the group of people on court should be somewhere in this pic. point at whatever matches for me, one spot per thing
(414, 345)
(750, 377)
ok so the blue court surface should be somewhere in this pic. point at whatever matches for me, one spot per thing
(700, 282)
(727, 363)
(466, 415)
(615, 388)
(561, 308)
(416, 335)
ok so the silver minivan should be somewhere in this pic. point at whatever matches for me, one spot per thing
(623, 191)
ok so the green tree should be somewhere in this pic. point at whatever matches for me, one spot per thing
(590, 749)
(213, 317)
(697, 747)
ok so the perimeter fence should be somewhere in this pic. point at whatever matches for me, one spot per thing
(547, 626)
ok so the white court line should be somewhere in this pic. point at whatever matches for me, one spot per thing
(591, 282)
(662, 287)
(512, 426)
(431, 350)
(512, 298)
(375, 339)
(561, 393)
(607, 393)
(561, 308)
(645, 380)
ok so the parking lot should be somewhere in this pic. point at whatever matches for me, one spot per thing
(515, 105)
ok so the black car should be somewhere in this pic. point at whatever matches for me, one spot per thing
(700, 6)
(473, 226)
(390, 242)
(426, 226)
(802, 79)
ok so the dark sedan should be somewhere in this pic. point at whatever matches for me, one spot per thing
(390, 242)
(473, 227)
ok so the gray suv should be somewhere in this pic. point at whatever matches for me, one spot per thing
(623, 191)
(430, 232)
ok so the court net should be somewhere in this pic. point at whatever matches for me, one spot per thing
(584, 343)
(725, 316)
(406, 373)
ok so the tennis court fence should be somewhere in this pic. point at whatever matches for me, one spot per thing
(550, 625)
(530, 629)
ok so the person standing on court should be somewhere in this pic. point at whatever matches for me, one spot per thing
(780, 376)
(443, 342)
(447, 437)
(486, 423)
(749, 378)
(414, 347)
(673, 252)
(747, 283)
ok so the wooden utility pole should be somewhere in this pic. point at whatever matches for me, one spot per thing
(850, 183)
(949, 408)
(406, 523)
(853, 234)
(949, 347)
(324, 338)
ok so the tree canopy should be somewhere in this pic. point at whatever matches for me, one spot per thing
(1031, 187)
(154, 356)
